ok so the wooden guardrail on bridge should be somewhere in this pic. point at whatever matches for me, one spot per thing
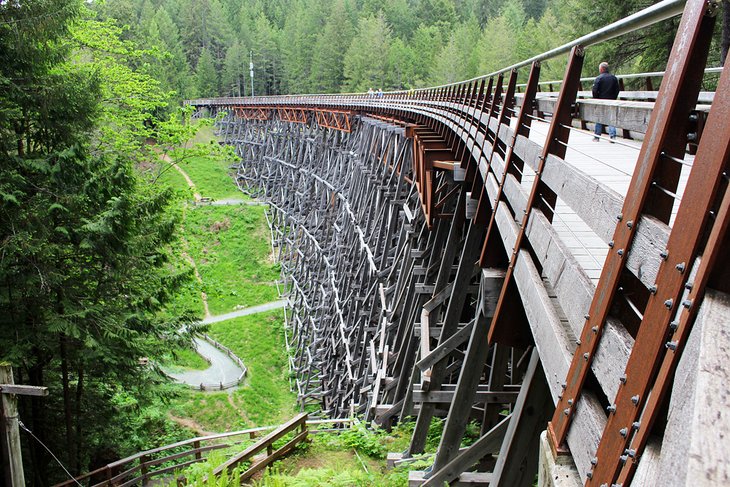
(266, 443)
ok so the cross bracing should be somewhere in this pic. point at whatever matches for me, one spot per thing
(467, 253)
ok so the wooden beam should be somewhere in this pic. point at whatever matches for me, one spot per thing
(485, 445)
(11, 447)
(447, 397)
(23, 390)
(518, 456)
(695, 439)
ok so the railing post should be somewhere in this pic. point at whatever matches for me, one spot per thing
(541, 196)
(196, 447)
(665, 142)
(145, 468)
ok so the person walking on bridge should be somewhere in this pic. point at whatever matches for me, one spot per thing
(605, 87)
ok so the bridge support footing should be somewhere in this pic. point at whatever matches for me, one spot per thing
(555, 470)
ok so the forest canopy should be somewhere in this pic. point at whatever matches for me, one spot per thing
(329, 46)
(86, 265)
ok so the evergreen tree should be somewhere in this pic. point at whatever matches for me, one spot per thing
(176, 73)
(206, 76)
(439, 13)
(402, 62)
(235, 66)
(268, 73)
(301, 28)
(328, 57)
(427, 41)
(496, 47)
(457, 60)
(85, 267)
(366, 59)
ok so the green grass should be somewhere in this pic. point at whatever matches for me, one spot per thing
(213, 177)
(169, 175)
(188, 297)
(264, 399)
(230, 245)
(182, 359)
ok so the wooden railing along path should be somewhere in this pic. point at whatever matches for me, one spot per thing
(164, 461)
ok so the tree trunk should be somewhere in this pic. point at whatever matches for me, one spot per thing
(725, 43)
(67, 412)
(79, 395)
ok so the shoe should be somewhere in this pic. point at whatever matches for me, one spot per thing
(612, 139)
(596, 139)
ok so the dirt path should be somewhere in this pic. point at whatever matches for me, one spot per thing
(191, 184)
(187, 256)
(198, 278)
(237, 409)
(191, 424)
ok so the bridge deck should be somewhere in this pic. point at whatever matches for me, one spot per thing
(612, 165)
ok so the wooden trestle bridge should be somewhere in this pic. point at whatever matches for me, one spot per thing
(468, 252)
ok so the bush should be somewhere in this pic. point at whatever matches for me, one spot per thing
(364, 441)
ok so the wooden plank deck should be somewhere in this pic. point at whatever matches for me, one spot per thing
(610, 164)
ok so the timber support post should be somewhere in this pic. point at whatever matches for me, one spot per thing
(11, 448)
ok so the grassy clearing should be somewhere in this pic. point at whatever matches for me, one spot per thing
(183, 359)
(264, 399)
(212, 177)
(230, 245)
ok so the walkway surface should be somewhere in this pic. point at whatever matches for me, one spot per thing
(246, 311)
(612, 165)
(222, 369)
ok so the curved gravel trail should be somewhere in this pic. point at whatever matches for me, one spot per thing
(222, 369)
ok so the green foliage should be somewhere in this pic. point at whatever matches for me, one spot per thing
(87, 262)
(324, 477)
(259, 338)
(206, 76)
(435, 430)
(364, 61)
(230, 246)
(310, 46)
(457, 60)
(363, 440)
(200, 474)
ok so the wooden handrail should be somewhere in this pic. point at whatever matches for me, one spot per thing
(115, 476)
(297, 421)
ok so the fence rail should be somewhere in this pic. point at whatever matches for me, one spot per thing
(266, 443)
(144, 466)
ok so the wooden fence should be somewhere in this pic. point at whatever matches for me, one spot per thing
(166, 460)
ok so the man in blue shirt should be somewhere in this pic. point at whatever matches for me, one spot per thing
(605, 87)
